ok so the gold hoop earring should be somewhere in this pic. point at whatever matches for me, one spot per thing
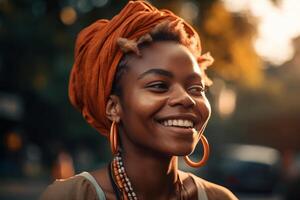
(113, 138)
(205, 154)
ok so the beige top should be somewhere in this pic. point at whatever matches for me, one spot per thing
(84, 187)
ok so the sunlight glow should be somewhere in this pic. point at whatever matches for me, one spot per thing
(277, 25)
(226, 102)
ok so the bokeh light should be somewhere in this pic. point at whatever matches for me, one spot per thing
(278, 25)
(226, 102)
(189, 11)
(13, 141)
(68, 15)
(64, 167)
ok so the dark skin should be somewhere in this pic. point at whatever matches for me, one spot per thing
(164, 83)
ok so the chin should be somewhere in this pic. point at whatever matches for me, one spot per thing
(181, 150)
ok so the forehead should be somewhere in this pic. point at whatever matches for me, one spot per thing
(167, 55)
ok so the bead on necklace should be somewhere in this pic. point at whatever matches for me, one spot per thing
(124, 185)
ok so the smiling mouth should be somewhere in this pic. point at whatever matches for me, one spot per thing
(178, 123)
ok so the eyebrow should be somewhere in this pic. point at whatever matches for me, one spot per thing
(158, 72)
(195, 76)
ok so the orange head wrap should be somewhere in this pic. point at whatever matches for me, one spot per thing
(97, 56)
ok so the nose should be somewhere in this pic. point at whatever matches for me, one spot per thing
(179, 96)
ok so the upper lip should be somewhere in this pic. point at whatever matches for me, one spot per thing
(184, 116)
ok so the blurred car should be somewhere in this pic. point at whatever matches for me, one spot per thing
(249, 169)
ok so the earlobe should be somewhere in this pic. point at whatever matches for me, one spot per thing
(113, 108)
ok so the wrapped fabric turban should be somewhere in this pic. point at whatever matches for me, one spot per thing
(97, 56)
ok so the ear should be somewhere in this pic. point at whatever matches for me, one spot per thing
(113, 108)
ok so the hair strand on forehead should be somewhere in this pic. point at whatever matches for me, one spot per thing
(164, 31)
(127, 46)
(144, 39)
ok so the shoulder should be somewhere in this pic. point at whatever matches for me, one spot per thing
(75, 188)
(214, 191)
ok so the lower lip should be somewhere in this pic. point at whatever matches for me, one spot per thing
(183, 131)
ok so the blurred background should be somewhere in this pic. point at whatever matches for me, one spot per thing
(255, 126)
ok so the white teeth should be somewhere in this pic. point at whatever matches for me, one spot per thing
(175, 122)
(178, 122)
(186, 123)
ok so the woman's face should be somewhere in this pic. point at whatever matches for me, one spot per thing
(163, 106)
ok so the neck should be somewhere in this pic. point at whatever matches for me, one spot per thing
(152, 176)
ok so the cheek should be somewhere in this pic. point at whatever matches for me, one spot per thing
(208, 107)
(143, 104)
(205, 109)
(138, 116)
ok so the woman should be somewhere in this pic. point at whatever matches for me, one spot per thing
(136, 79)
